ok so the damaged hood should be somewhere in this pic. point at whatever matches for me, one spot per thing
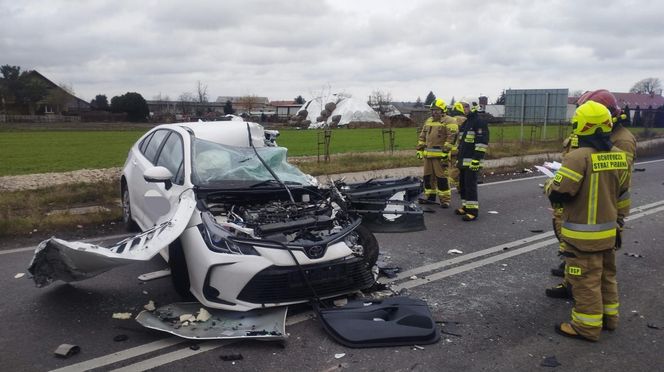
(57, 259)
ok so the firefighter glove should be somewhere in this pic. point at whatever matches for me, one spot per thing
(445, 156)
(619, 238)
(547, 185)
(474, 165)
(420, 154)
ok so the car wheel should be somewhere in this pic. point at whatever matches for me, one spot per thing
(179, 272)
(127, 218)
(367, 245)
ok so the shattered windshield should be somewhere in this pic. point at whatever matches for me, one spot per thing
(217, 165)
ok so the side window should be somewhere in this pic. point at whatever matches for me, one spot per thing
(171, 157)
(153, 145)
(144, 143)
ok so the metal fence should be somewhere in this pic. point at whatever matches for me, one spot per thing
(38, 119)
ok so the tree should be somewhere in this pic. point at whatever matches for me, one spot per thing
(575, 93)
(201, 90)
(100, 102)
(185, 101)
(299, 100)
(430, 98)
(228, 108)
(418, 102)
(248, 103)
(133, 104)
(501, 98)
(31, 91)
(380, 101)
(647, 86)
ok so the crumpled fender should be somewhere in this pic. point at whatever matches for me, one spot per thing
(57, 259)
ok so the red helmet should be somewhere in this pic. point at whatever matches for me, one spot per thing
(604, 97)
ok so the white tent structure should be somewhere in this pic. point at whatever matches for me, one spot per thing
(338, 110)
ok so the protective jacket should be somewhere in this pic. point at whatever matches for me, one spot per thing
(437, 137)
(473, 140)
(589, 184)
(623, 139)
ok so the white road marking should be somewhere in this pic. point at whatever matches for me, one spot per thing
(122, 355)
(171, 357)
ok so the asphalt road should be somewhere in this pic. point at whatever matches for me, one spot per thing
(490, 299)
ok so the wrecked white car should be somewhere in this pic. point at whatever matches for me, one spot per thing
(240, 227)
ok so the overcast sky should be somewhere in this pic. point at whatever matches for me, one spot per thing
(285, 48)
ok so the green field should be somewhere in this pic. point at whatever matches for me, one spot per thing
(39, 151)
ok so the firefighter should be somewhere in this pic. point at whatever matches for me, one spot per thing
(621, 138)
(459, 112)
(473, 143)
(589, 184)
(434, 145)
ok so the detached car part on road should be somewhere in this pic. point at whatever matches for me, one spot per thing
(240, 227)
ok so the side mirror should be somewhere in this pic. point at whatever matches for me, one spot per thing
(158, 174)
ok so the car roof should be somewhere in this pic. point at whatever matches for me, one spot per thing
(232, 133)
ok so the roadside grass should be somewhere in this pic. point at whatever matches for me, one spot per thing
(60, 149)
(21, 212)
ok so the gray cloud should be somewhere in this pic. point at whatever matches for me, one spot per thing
(281, 49)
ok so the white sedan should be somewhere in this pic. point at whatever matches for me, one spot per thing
(240, 227)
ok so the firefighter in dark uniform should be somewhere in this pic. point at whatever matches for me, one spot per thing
(589, 184)
(621, 138)
(473, 143)
(459, 112)
(434, 145)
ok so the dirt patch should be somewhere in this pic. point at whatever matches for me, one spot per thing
(42, 180)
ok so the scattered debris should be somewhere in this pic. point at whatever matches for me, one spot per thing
(187, 318)
(203, 315)
(454, 251)
(389, 272)
(123, 316)
(145, 292)
(340, 302)
(149, 306)
(653, 326)
(527, 170)
(550, 361)
(637, 255)
(492, 212)
(19, 275)
(537, 231)
(418, 347)
(231, 357)
(639, 169)
(339, 356)
(413, 277)
(66, 350)
(428, 210)
(120, 338)
(541, 185)
(194, 347)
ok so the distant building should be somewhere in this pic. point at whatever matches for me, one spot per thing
(285, 109)
(246, 104)
(56, 101)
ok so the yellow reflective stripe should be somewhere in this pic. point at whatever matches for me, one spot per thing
(445, 193)
(592, 199)
(611, 309)
(566, 172)
(608, 161)
(624, 203)
(591, 320)
(623, 177)
(434, 124)
(421, 143)
(587, 235)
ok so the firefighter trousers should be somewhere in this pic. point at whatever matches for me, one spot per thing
(468, 191)
(436, 180)
(595, 290)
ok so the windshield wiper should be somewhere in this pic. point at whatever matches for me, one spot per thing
(272, 182)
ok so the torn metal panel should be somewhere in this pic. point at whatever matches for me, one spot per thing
(57, 259)
(387, 205)
(265, 324)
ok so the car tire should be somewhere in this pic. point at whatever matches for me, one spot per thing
(179, 271)
(127, 218)
(369, 244)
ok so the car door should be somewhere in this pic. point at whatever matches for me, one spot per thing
(142, 160)
(161, 199)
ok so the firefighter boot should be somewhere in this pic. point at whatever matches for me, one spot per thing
(559, 271)
(568, 330)
(460, 211)
(562, 290)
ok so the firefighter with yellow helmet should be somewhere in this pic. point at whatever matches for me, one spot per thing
(459, 111)
(589, 185)
(621, 138)
(435, 142)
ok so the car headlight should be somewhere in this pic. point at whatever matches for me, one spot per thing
(220, 240)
